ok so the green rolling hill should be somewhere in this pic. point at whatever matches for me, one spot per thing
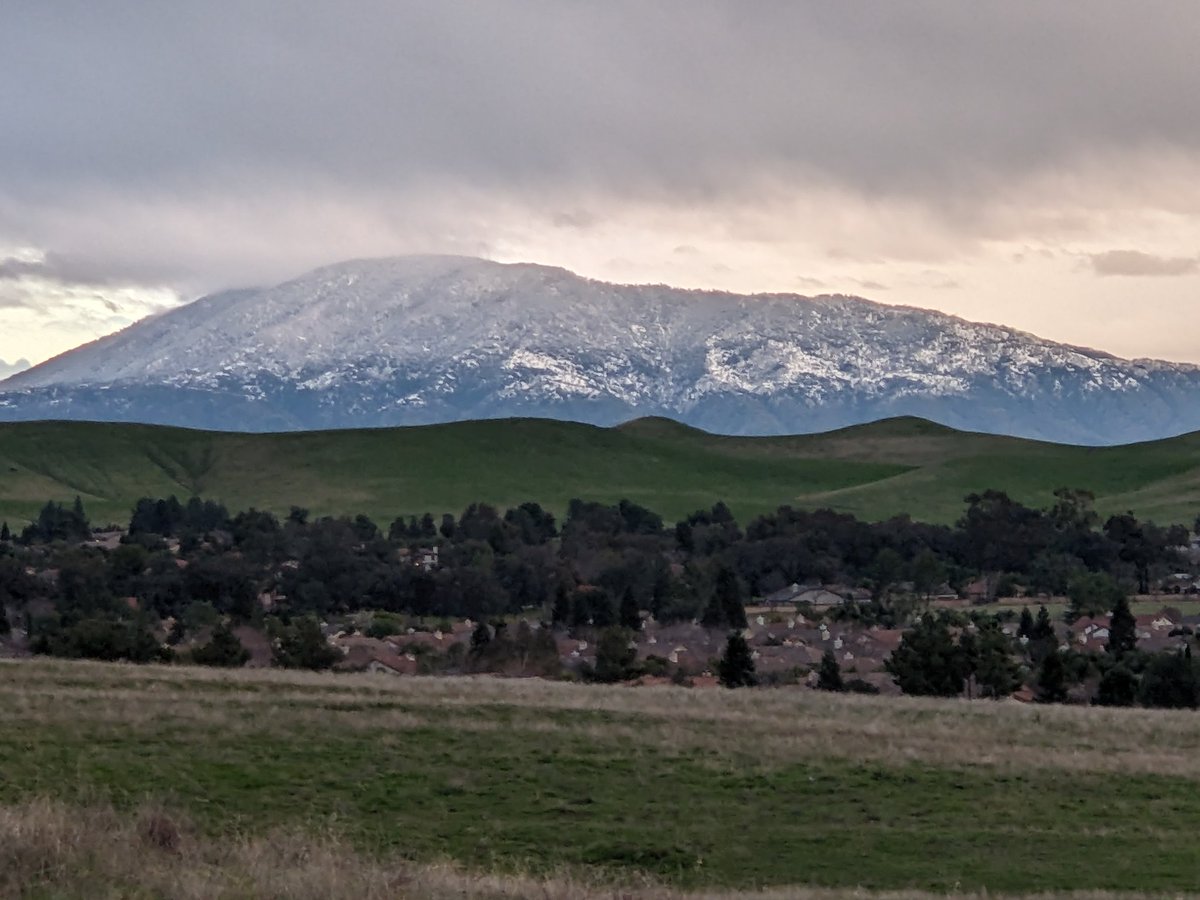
(875, 471)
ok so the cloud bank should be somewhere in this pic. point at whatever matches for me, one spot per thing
(923, 146)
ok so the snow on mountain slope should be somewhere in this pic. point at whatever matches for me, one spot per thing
(430, 338)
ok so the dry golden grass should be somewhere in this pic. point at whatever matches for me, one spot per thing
(765, 726)
(49, 849)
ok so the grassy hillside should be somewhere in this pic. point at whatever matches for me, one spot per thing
(693, 788)
(897, 466)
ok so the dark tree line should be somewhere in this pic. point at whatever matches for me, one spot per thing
(603, 566)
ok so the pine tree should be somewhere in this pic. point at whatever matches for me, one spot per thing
(1122, 629)
(614, 655)
(1043, 628)
(1025, 628)
(5, 534)
(629, 616)
(927, 662)
(829, 676)
(736, 667)
(1052, 679)
(996, 673)
(560, 614)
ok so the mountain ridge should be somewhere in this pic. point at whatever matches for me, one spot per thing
(423, 339)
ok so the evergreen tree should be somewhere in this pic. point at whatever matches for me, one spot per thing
(5, 625)
(224, 649)
(629, 615)
(1122, 629)
(1025, 628)
(927, 662)
(614, 655)
(1042, 639)
(730, 594)
(1043, 628)
(1170, 681)
(996, 672)
(736, 667)
(560, 614)
(725, 610)
(1118, 687)
(829, 676)
(1052, 679)
(5, 534)
(426, 528)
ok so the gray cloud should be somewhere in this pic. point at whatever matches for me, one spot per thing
(197, 146)
(66, 270)
(1135, 262)
(135, 102)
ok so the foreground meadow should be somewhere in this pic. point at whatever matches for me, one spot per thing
(119, 780)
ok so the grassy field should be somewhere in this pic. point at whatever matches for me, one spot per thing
(892, 467)
(533, 780)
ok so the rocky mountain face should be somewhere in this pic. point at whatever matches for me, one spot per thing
(427, 339)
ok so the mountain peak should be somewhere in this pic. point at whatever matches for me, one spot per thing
(419, 339)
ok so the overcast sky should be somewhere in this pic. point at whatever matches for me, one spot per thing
(1030, 163)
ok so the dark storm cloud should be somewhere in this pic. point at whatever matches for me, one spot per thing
(687, 95)
(118, 114)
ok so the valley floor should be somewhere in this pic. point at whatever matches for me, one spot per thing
(186, 782)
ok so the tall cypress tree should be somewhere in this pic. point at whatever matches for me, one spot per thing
(1122, 629)
(729, 595)
(1043, 628)
(1025, 629)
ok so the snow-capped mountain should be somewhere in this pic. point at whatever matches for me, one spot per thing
(432, 338)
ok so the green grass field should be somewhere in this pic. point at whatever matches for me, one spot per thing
(875, 471)
(689, 788)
